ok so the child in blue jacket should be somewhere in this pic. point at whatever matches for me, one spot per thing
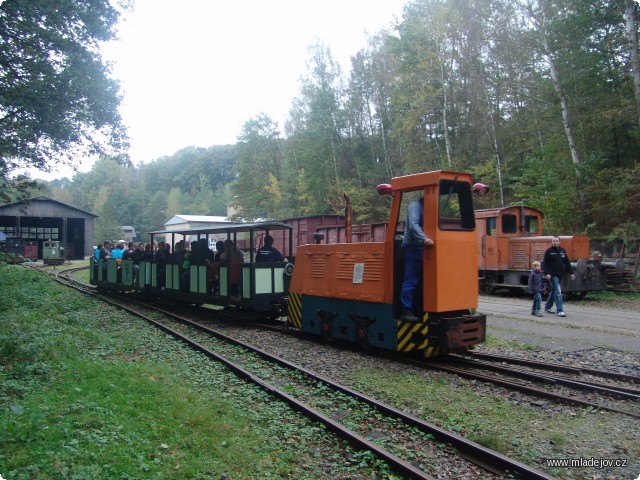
(536, 288)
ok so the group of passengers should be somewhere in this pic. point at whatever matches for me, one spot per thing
(116, 250)
(184, 254)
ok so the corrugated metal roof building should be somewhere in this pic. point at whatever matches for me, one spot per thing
(40, 219)
(184, 222)
(187, 222)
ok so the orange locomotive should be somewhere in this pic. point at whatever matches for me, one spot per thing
(351, 291)
(510, 239)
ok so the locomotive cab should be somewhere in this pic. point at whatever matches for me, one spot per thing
(511, 238)
(351, 291)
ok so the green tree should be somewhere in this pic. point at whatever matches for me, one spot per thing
(203, 199)
(541, 186)
(317, 131)
(175, 203)
(260, 159)
(368, 110)
(57, 100)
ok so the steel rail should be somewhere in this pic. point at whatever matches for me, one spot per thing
(526, 389)
(610, 390)
(556, 367)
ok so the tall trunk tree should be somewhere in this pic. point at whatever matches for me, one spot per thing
(564, 102)
(445, 123)
(631, 23)
(540, 19)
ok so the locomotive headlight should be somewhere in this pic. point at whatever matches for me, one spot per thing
(480, 189)
(384, 189)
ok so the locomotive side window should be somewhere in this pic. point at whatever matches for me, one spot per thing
(531, 224)
(455, 211)
(509, 224)
(492, 223)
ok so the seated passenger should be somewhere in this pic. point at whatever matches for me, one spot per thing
(190, 258)
(219, 250)
(194, 253)
(118, 252)
(162, 257)
(205, 253)
(105, 251)
(128, 253)
(177, 256)
(234, 259)
(148, 253)
(214, 268)
(268, 253)
(230, 254)
(105, 254)
(137, 255)
(96, 256)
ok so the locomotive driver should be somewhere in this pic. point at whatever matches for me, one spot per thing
(412, 244)
(554, 264)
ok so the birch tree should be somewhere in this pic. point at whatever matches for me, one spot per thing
(631, 23)
(538, 14)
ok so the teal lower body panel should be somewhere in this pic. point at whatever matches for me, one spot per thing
(364, 323)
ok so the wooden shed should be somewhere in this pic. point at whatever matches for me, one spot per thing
(41, 219)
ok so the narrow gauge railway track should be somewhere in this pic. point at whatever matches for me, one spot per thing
(468, 368)
(65, 277)
(628, 397)
(400, 438)
(557, 367)
(614, 391)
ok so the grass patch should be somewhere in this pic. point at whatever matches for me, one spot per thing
(87, 392)
(493, 421)
(493, 341)
(455, 408)
(115, 421)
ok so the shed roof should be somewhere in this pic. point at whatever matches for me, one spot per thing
(179, 219)
(11, 209)
(227, 228)
(127, 228)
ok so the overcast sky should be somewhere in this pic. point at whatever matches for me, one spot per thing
(192, 72)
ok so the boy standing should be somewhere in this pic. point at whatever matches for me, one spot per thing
(535, 288)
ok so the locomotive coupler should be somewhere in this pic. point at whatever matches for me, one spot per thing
(458, 332)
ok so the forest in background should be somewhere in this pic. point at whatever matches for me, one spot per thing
(538, 99)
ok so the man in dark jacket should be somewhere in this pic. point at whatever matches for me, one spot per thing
(554, 264)
(268, 253)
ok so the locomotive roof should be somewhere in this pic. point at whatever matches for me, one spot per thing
(510, 207)
(232, 227)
